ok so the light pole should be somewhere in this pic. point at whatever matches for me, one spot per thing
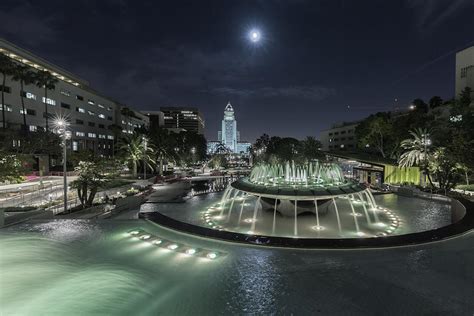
(193, 151)
(62, 130)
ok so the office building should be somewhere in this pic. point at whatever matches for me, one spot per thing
(464, 70)
(339, 137)
(93, 117)
(229, 136)
(183, 118)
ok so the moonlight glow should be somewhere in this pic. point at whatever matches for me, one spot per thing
(255, 35)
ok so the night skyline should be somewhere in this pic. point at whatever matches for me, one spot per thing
(301, 78)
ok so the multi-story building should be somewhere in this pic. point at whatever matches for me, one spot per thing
(229, 136)
(464, 70)
(92, 116)
(339, 137)
(187, 118)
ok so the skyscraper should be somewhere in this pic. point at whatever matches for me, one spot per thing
(229, 136)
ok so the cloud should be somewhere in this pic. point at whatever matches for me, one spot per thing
(23, 22)
(314, 93)
(430, 14)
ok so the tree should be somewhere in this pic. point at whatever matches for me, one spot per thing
(136, 148)
(25, 76)
(465, 97)
(417, 151)
(12, 167)
(377, 131)
(435, 102)
(90, 178)
(44, 79)
(420, 105)
(311, 148)
(6, 68)
(444, 167)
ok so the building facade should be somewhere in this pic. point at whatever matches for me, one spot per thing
(187, 118)
(93, 117)
(464, 70)
(339, 137)
(229, 136)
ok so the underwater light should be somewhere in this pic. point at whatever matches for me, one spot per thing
(157, 242)
(212, 255)
(191, 251)
(318, 227)
(380, 224)
(145, 237)
(173, 246)
(134, 232)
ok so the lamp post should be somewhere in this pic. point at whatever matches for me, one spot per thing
(62, 130)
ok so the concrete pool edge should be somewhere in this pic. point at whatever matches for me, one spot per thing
(463, 225)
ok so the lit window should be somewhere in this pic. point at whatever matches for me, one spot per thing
(66, 93)
(80, 110)
(100, 106)
(102, 116)
(91, 102)
(91, 135)
(102, 136)
(91, 113)
(74, 145)
(110, 137)
(8, 108)
(49, 101)
(30, 95)
(33, 128)
(80, 134)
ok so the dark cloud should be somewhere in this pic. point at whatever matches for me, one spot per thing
(314, 93)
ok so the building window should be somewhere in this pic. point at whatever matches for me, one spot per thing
(79, 97)
(80, 134)
(102, 136)
(6, 89)
(91, 135)
(91, 102)
(91, 124)
(29, 95)
(28, 112)
(49, 101)
(100, 106)
(343, 132)
(74, 145)
(92, 113)
(102, 116)
(80, 122)
(108, 117)
(80, 110)
(110, 137)
(33, 128)
(65, 105)
(101, 126)
(66, 93)
(330, 134)
(109, 108)
(8, 108)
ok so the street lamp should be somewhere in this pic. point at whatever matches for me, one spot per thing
(61, 125)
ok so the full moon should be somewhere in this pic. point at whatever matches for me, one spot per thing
(255, 36)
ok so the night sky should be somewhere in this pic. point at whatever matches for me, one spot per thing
(315, 58)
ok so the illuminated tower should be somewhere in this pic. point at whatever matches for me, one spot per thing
(229, 136)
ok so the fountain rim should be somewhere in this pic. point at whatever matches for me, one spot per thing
(463, 225)
(299, 193)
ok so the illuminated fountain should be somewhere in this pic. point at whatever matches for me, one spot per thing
(300, 200)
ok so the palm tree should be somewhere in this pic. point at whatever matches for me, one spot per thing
(25, 76)
(6, 67)
(44, 79)
(417, 151)
(134, 149)
(165, 146)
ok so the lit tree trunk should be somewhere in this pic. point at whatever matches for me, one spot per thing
(134, 163)
(92, 194)
(161, 166)
(3, 102)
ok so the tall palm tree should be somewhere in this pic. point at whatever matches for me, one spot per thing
(44, 79)
(134, 149)
(417, 151)
(6, 67)
(25, 76)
